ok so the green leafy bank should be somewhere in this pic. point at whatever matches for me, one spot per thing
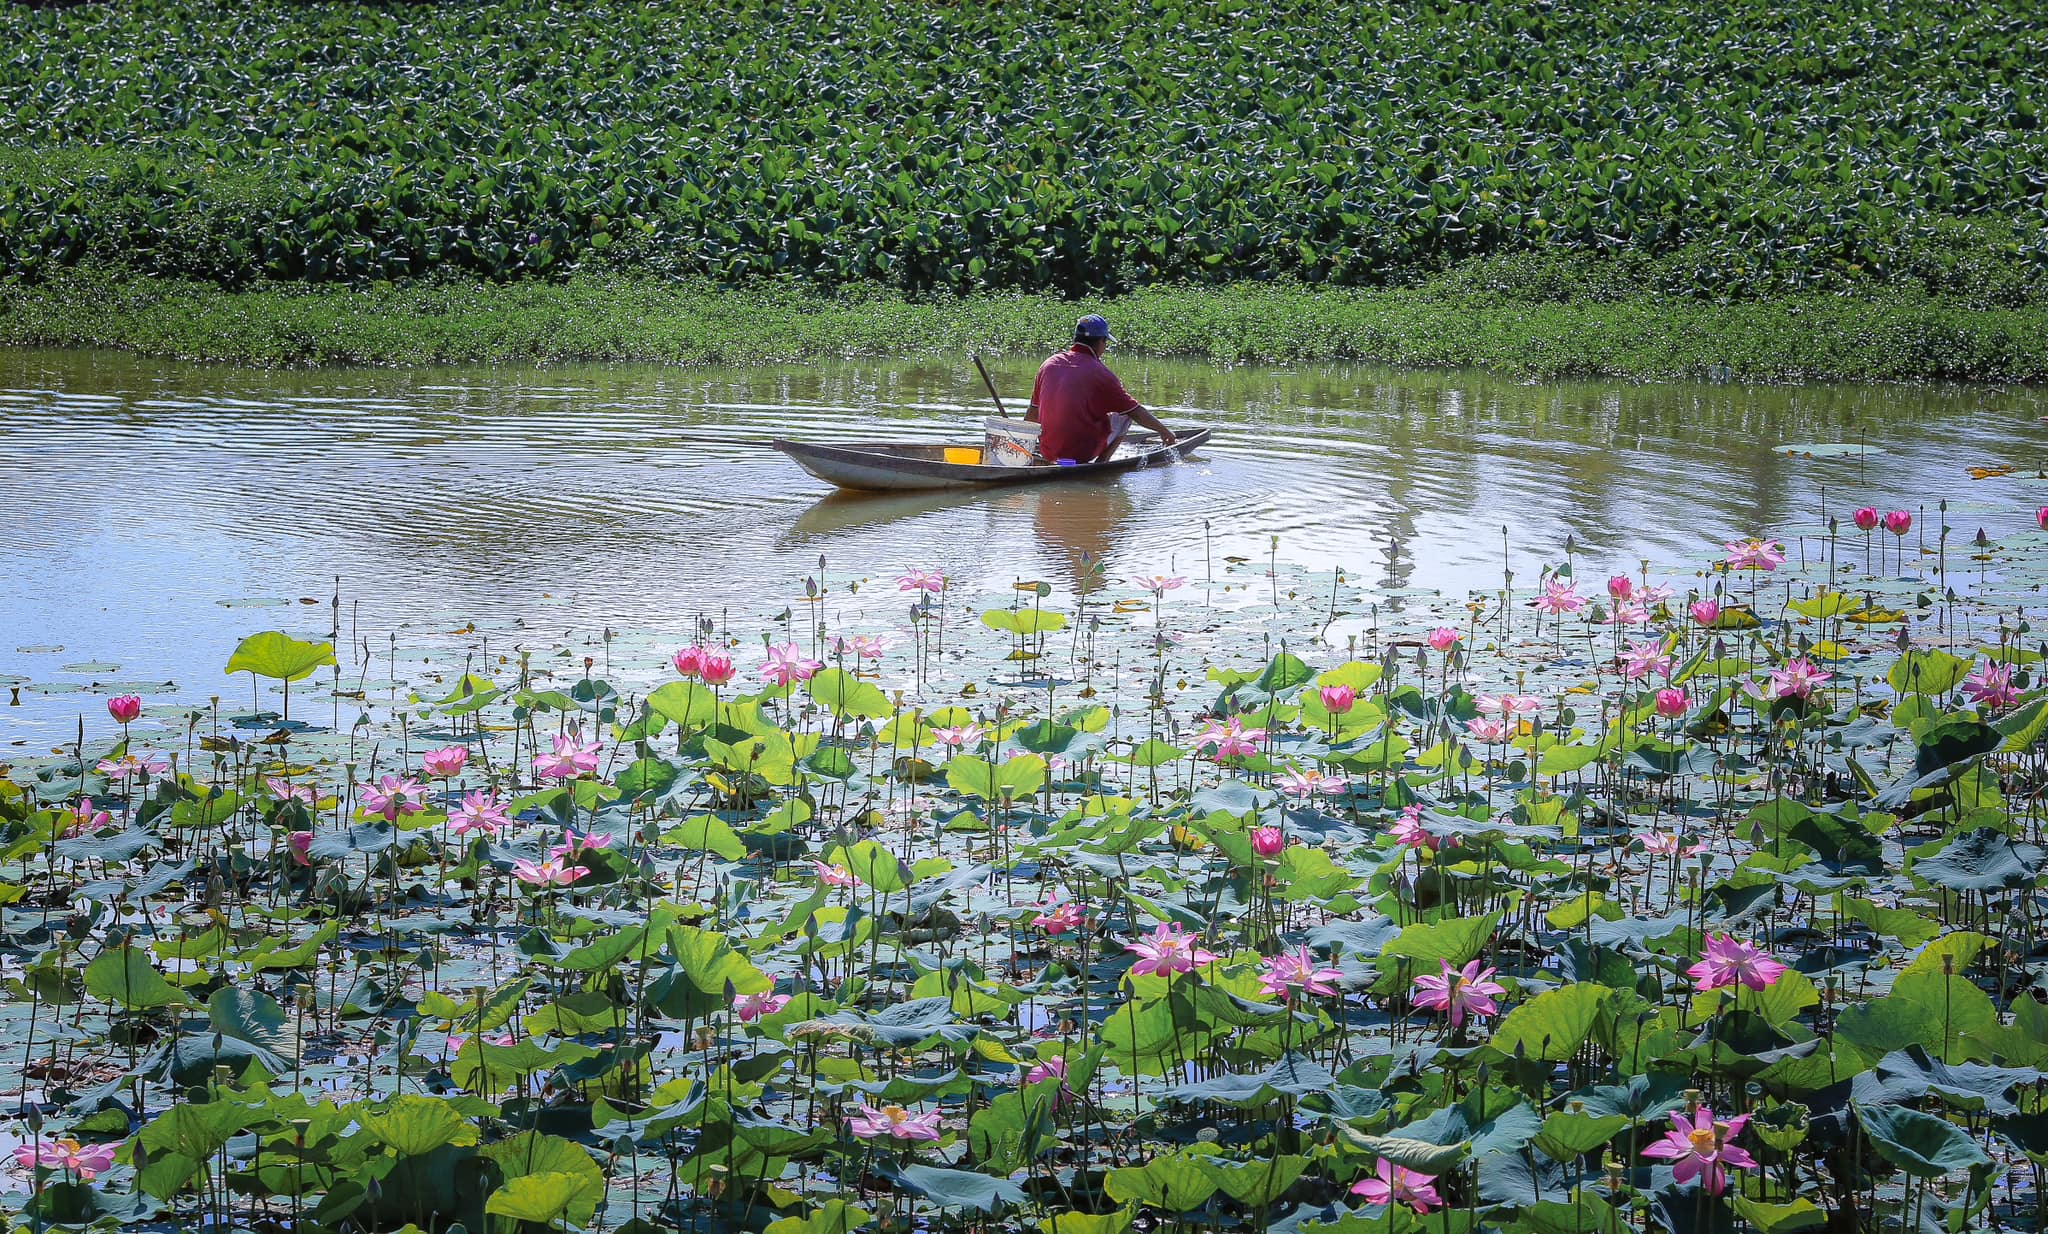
(1088, 148)
(1451, 322)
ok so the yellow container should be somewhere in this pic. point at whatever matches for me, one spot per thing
(963, 454)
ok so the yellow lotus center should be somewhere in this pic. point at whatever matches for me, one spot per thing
(1705, 1140)
(895, 1113)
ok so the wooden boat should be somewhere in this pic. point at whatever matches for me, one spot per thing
(895, 467)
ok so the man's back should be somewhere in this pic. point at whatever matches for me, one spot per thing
(1076, 395)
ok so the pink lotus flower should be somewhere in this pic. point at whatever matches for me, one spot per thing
(921, 580)
(445, 763)
(1169, 950)
(130, 766)
(1051, 1067)
(1397, 1184)
(957, 737)
(1230, 739)
(1755, 554)
(1990, 685)
(1898, 522)
(124, 707)
(392, 796)
(1443, 638)
(1730, 962)
(88, 1161)
(1301, 785)
(831, 875)
(1672, 702)
(1268, 841)
(85, 819)
(1409, 832)
(1705, 612)
(1620, 588)
(1508, 706)
(1798, 679)
(786, 666)
(1630, 613)
(1338, 699)
(1644, 657)
(1665, 844)
(503, 1041)
(1296, 970)
(690, 660)
(481, 812)
(751, 1007)
(1866, 518)
(1460, 991)
(1160, 584)
(1654, 595)
(300, 845)
(549, 873)
(1057, 916)
(284, 790)
(570, 758)
(894, 1122)
(860, 646)
(1559, 597)
(716, 668)
(2041, 518)
(575, 844)
(1490, 731)
(1700, 1146)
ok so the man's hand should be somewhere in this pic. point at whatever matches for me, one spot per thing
(1145, 419)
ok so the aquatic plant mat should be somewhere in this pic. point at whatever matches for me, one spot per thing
(1690, 900)
(1529, 319)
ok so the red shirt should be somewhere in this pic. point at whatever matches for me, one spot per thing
(1076, 394)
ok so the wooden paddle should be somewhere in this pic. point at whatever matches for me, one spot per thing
(991, 386)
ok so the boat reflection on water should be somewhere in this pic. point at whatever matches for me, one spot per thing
(1074, 525)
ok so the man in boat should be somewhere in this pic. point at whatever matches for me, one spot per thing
(1082, 410)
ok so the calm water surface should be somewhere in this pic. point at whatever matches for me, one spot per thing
(152, 511)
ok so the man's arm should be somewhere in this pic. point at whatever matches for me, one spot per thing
(1145, 418)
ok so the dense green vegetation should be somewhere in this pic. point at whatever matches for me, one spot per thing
(1751, 147)
(1503, 320)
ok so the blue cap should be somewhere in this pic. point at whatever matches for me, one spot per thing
(1093, 327)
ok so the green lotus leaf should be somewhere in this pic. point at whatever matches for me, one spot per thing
(279, 656)
(1169, 1183)
(1920, 1144)
(1554, 1024)
(124, 976)
(413, 1126)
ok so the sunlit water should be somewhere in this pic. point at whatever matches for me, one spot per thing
(155, 512)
